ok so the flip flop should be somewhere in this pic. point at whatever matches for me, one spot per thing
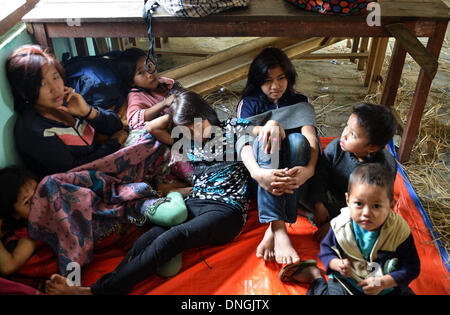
(286, 274)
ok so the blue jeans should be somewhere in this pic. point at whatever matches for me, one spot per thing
(295, 151)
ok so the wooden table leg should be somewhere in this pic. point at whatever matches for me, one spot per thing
(40, 33)
(394, 75)
(420, 96)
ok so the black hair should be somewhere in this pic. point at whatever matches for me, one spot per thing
(12, 178)
(126, 67)
(378, 122)
(24, 72)
(373, 174)
(187, 106)
(267, 59)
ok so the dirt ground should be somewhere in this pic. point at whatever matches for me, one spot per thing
(333, 87)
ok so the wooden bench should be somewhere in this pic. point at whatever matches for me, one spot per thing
(412, 18)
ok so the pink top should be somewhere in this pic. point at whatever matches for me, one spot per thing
(138, 102)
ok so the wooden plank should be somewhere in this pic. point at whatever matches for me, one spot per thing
(40, 33)
(378, 65)
(100, 46)
(315, 56)
(355, 46)
(362, 49)
(192, 53)
(82, 47)
(420, 97)
(257, 10)
(7, 22)
(394, 75)
(414, 47)
(198, 28)
(371, 61)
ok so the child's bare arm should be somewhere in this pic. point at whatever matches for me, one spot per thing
(11, 262)
(158, 129)
(154, 111)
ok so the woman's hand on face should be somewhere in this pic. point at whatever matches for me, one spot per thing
(75, 103)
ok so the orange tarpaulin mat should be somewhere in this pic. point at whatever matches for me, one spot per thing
(233, 268)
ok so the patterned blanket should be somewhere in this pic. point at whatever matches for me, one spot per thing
(70, 211)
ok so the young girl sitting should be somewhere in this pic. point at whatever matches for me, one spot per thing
(369, 128)
(217, 206)
(55, 127)
(148, 98)
(148, 95)
(270, 88)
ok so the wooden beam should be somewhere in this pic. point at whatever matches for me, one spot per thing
(370, 62)
(192, 53)
(414, 47)
(362, 49)
(100, 46)
(361, 56)
(82, 47)
(378, 64)
(355, 46)
(394, 75)
(420, 96)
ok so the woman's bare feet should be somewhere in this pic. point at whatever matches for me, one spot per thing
(59, 285)
(285, 252)
(265, 248)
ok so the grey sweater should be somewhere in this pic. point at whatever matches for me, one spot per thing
(329, 183)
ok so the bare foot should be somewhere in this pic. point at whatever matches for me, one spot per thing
(59, 285)
(307, 275)
(284, 251)
(265, 248)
